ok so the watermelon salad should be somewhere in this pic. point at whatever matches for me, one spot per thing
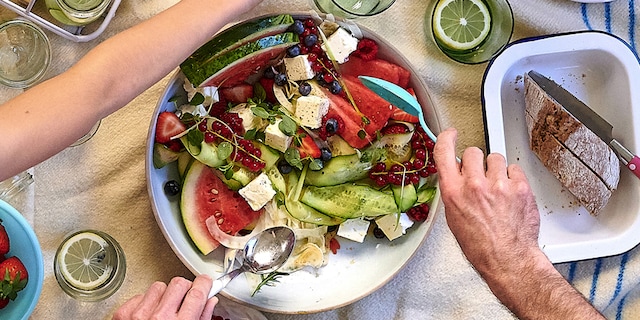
(274, 128)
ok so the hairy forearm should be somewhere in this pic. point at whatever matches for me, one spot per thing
(534, 289)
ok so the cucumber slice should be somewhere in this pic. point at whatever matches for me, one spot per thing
(163, 155)
(405, 196)
(305, 213)
(184, 163)
(339, 170)
(349, 201)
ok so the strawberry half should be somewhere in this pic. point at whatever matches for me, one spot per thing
(308, 148)
(168, 125)
(4, 240)
(14, 278)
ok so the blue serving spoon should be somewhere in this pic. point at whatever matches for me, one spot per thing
(398, 97)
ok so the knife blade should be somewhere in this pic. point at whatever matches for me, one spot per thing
(588, 117)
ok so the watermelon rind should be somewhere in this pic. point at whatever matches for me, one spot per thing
(199, 74)
(240, 34)
(196, 228)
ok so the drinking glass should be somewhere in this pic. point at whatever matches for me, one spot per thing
(25, 53)
(89, 265)
(77, 12)
(351, 9)
(88, 135)
(15, 185)
(499, 34)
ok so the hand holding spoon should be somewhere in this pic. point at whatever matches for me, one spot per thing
(264, 253)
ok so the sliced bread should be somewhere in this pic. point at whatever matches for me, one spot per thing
(583, 163)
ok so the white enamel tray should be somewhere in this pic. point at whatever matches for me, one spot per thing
(603, 72)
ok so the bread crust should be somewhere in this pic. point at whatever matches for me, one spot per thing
(579, 159)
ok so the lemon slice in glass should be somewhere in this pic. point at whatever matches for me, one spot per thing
(461, 24)
(85, 261)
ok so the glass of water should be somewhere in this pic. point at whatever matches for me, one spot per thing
(25, 53)
(351, 9)
(89, 265)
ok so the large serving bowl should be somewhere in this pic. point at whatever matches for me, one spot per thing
(354, 272)
(24, 245)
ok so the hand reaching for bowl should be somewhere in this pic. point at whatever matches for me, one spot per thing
(180, 299)
(492, 212)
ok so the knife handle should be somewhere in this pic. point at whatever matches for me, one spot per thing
(634, 166)
(627, 157)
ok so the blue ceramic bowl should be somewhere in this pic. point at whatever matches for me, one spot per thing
(24, 245)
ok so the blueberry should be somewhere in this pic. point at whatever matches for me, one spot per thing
(284, 167)
(297, 27)
(304, 88)
(293, 51)
(320, 78)
(378, 233)
(269, 73)
(334, 87)
(310, 40)
(280, 79)
(172, 188)
(331, 126)
(325, 154)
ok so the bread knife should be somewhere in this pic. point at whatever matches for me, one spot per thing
(588, 117)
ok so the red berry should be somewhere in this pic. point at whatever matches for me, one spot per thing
(419, 213)
(367, 49)
(4, 240)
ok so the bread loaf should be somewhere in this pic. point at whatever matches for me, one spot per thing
(583, 163)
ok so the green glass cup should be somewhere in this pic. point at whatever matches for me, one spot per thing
(351, 9)
(77, 12)
(470, 31)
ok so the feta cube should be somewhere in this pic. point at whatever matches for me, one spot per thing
(258, 192)
(299, 68)
(341, 43)
(310, 110)
(249, 120)
(274, 138)
(388, 223)
(354, 229)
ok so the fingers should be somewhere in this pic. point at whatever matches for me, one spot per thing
(496, 166)
(195, 301)
(128, 308)
(175, 292)
(207, 313)
(473, 162)
(444, 153)
(150, 299)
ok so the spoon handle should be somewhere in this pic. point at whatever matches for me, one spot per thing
(223, 281)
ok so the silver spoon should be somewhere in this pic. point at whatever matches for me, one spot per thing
(264, 253)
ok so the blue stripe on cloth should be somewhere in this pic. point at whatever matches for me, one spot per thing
(572, 272)
(632, 24)
(607, 16)
(585, 17)
(620, 307)
(594, 280)
(623, 264)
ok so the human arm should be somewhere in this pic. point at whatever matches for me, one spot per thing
(50, 116)
(493, 215)
(180, 299)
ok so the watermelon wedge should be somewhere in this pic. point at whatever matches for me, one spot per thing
(378, 68)
(235, 66)
(204, 195)
(239, 35)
